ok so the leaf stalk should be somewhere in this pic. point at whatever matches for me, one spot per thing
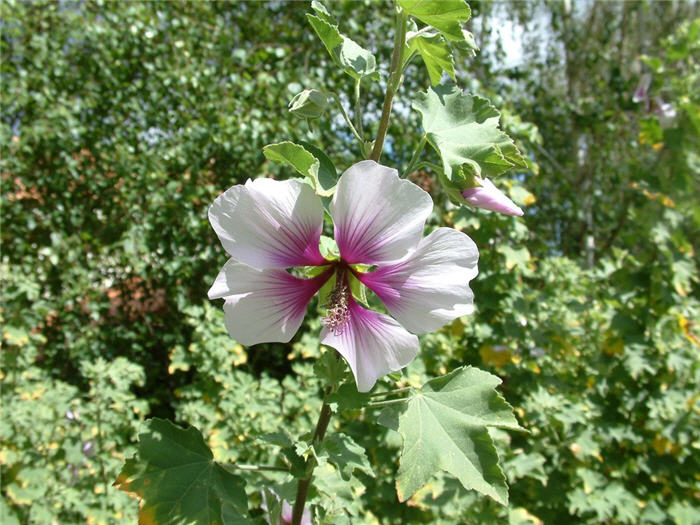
(358, 135)
(414, 159)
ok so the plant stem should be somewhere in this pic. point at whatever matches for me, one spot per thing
(420, 32)
(425, 164)
(241, 466)
(303, 486)
(358, 109)
(378, 404)
(392, 84)
(392, 392)
(414, 158)
(358, 136)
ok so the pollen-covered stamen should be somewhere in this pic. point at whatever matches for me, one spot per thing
(337, 313)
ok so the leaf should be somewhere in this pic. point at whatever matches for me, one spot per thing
(342, 451)
(444, 15)
(445, 427)
(308, 161)
(527, 465)
(327, 176)
(348, 397)
(515, 257)
(464, 131)
(435, 54)
(330, 368)
(295, 155)
(328, 248)
(355, 60)
(177, 481)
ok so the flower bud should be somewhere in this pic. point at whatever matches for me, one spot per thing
(489, 197)
(309, 104)
(641, 94)
(665, 112)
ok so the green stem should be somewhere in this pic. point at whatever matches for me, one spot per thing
(303, 486)
(392, 84)
(241, 466)
(358, 109)
(425, 164)
(414, 158)
(378, 404)
(358, 136)
(99, 454)
(392, 392)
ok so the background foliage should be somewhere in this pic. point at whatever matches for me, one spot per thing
(122, 121)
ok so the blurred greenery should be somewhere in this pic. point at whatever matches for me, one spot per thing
(121, 121)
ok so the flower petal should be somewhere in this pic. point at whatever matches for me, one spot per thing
(373, 344)
(430, 287)
(263, 306)
(378, 217)
(288, 513)
(489, 197)
(269, 224)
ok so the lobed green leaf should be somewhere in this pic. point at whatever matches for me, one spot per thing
(444, 15)
(463, 129)
(175, 477)
(445, 427)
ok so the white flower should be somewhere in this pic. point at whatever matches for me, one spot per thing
(268, 226)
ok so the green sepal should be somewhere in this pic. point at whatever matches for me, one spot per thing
(358, 290)
(462, 179)
(309, 104)
(325, 291)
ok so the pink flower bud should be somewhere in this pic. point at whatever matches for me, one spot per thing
(641, 94)
(665, 112)
(489, 197)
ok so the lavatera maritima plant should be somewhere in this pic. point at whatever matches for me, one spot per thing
(385, 273)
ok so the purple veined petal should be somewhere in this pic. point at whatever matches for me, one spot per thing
(373, 344)
(263, 306)
(269, 224)
(377, 216)
(490, 198)
(430, 287)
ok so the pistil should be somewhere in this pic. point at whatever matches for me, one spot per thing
(337, 313)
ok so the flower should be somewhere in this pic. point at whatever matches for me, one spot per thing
(269, 226)
(491, 198)
(641, 93)
(665, 112)
(286, 512)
